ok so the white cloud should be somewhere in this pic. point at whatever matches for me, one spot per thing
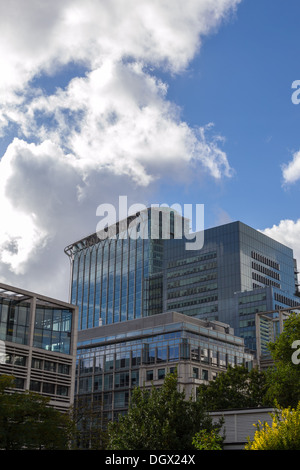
(112, 130)
(291, 171)
(288, 233)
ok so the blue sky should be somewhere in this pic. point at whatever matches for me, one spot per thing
(189, 104)
(241, 81)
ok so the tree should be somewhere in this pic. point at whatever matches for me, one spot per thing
(284, 378)
(159, 419)
(235, 388)
(283, 434)
(28, 422)
(90, 425)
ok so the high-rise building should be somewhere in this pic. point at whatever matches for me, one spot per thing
(236, 273)
(147, 304)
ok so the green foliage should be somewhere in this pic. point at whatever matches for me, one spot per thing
(90, 427)
(159, 419)
(284, 378)
(28, 422)
(204, 440)
(235, 388)
(283, 434)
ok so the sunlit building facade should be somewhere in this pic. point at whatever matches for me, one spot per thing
(236, 273)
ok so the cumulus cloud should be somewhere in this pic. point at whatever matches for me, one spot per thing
(110, 129)
(291, 171)
(288, 233)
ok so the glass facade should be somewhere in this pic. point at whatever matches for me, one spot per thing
(40, 340)
(52, 329)
(115, 281)
(238, 272)
(111, 365)
(117, 278)
(14, 321)
(123, 278)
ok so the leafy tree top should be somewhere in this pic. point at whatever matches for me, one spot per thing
(159, 419)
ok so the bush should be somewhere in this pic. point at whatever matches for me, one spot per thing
(283, 434)
(205, 440)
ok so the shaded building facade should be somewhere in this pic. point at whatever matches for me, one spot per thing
(38, 337)
(114, 359)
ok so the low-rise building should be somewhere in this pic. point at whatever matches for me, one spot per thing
(38, 337)
(113, 359)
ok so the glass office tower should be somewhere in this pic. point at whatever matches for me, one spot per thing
(238, 272)
(120, 277)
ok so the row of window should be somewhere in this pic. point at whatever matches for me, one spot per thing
(188, 303)
(265, 280)
(192, 290)
(265, 260)
(285, 300)
(14, 359)
(50, 366)
(192, 270)
(160, 374)
(49, 388)
(192, 280)
(18, 360)
(267, 271)
(99, 383)
(192, 259)
(252, 310)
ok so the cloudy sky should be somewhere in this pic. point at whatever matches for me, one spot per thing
(164, 101)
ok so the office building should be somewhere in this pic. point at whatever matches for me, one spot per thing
(269, 325)
(38, 343)
(113, 359)
(235, 274)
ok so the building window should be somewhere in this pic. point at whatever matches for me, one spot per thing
(35, 386)
(48, 388)
(50, 366)
(195, 373)
(19, 383)
(63, 369)
(85, 385)
(97, 383)
(37, 363)
(135, 378)
(107, 401)
(52, 329)
(149, 375)
(20, 360)
(121, 399)
(204, 374)
(122, 380)
(108, 382)
(62, 390)
(162, 354)
(161, 373)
